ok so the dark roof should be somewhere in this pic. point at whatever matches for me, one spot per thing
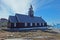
(26, 18)
(12, 19)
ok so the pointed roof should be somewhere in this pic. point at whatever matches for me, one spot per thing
(31, 12)
(31, 6)
(25, 19)
(12, 19)
(28, 19)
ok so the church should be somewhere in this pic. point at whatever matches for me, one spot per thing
(26, 21)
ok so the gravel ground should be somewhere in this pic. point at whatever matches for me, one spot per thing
(31, 35)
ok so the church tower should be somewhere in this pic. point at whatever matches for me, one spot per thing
(31, 12)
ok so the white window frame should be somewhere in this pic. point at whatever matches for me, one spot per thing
(30, 24)
(43, 24)
(40, 24)
(25, 24)
(35, 24)
(14, 24)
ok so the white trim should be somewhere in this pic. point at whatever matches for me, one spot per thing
(43, 24)
(40, 24)
(14, 24)
(30, 24)
(35, 24)
(25, 24)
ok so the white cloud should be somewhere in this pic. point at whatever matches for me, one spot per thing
(5, 11)
(19, 6)
(10, 7)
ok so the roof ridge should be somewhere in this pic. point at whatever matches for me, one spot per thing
(20, 14)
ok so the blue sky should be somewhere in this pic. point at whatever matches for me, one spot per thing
(49, 10)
